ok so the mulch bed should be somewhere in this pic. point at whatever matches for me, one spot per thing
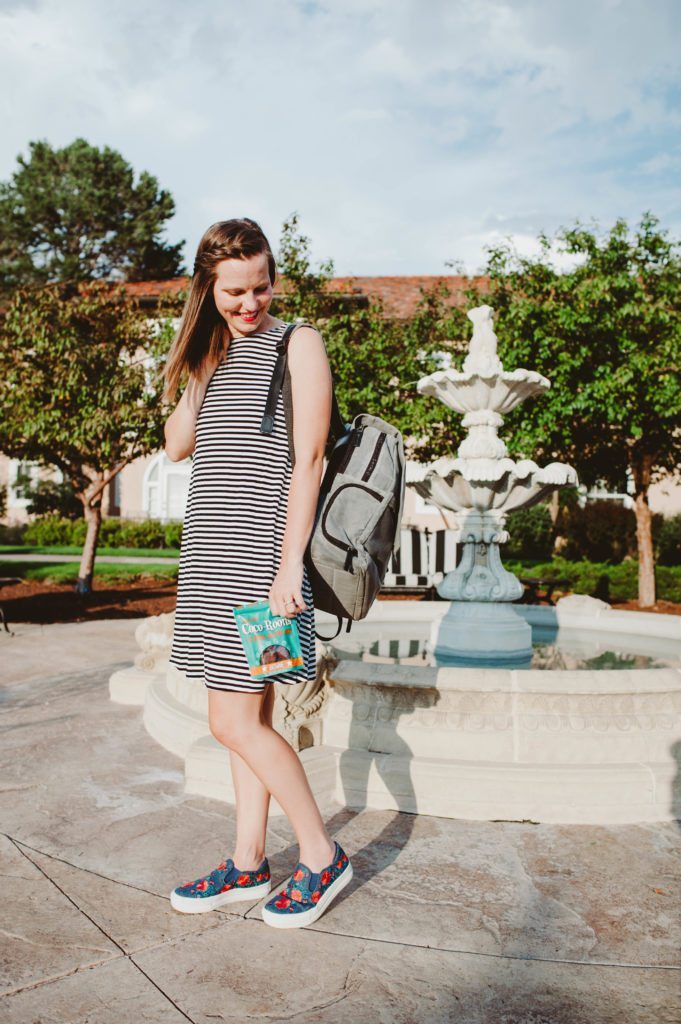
(31, 601)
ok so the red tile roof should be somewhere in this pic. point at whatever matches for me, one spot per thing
(399, 294)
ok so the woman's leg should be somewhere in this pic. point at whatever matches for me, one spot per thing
(252, 801)
(235, 720)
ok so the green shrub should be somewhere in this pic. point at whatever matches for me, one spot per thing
(602, 531)
(531, 533)
(173, 534)
(111, 532)
(669, 541)
(45, 531)
(78, 532)
(149, 533)
(668, 578)
(611, 583)
(48, 530)
(114, 532)
(13, 535)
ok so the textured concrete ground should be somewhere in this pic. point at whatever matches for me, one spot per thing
(479, 922)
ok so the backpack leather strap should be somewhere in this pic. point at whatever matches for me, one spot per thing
(337, 426)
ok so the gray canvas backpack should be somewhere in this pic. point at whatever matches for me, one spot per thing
(359, 510)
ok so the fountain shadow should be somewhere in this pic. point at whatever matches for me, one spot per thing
(374, 759)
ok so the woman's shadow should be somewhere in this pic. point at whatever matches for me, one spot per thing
(374, 769)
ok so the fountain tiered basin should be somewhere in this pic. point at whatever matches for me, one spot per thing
(591, 734)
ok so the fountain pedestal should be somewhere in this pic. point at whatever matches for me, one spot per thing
(482, 633)
(481, 485)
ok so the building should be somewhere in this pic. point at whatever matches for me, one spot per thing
(155, 487)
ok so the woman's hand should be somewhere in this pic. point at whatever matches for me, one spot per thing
(287, 588)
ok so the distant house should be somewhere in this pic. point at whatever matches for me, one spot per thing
(155, 487)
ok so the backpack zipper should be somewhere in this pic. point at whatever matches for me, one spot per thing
(353, 442)
(371, 465)
(334, 540)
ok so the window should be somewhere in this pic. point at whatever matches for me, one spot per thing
(165, 488)
(20, 472)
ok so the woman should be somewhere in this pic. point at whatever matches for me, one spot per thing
(248, 519)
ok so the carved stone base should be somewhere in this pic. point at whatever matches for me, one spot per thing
(563, 794)
(208, 772)
(129, 685)
(153, 636)
(506, 744)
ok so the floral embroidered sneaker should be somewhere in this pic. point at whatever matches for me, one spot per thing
(308, 893)
(225, 884)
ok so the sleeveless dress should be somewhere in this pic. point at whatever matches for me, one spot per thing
(234, 522)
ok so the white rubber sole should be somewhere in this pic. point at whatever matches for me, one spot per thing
(202, 904)
(303, 917)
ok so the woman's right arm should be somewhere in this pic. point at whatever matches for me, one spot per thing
(181, 424)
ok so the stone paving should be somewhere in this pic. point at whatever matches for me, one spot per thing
(444, 920)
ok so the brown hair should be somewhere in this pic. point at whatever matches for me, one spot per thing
(202, 332)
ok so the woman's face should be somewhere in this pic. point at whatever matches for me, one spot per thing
(243, 293)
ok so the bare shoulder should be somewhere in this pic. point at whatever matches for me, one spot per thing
(308, 360)
(305, 342)
(306, 331)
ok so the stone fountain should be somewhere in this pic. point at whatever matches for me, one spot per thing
(481, 486)
(412, 730)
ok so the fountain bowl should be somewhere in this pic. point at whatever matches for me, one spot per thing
(578, 745)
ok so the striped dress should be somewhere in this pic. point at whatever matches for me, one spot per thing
(234, 522)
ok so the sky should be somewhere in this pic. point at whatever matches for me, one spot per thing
(408, 135)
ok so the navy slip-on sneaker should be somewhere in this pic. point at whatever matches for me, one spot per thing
(308, 894)
(225, 884)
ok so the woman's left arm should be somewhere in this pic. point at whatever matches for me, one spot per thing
(311, 389)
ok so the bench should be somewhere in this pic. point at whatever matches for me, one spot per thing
(423, 560)
(533, 585)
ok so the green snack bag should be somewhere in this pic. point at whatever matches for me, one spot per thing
(271, 643)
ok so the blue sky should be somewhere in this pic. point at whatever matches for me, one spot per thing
(405, 134)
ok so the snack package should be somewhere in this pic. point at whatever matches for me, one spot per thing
(271, 643)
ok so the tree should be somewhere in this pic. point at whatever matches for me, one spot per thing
(376, 360)
(80, 388)
(304, 289)
(47, 496)
(607, 333)
(77, 213)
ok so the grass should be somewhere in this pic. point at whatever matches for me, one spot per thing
(70, 549)
(67, 571)
(613, 582)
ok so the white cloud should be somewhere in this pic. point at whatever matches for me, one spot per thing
(359, 114)
(398, 129)
(386, 57)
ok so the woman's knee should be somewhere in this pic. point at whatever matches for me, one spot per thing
(233, 722)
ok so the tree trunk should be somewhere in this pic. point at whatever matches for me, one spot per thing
(91, 497)
(93, 517)
(644, 533)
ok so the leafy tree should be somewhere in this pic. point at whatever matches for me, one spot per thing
(376, 360)
(303, 288)
(79, 388)
(607, 333)
(48, 496)
(77, 213)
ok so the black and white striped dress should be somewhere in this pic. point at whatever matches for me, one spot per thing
(234, 522)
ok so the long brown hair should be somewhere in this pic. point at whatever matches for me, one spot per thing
(203, 332)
